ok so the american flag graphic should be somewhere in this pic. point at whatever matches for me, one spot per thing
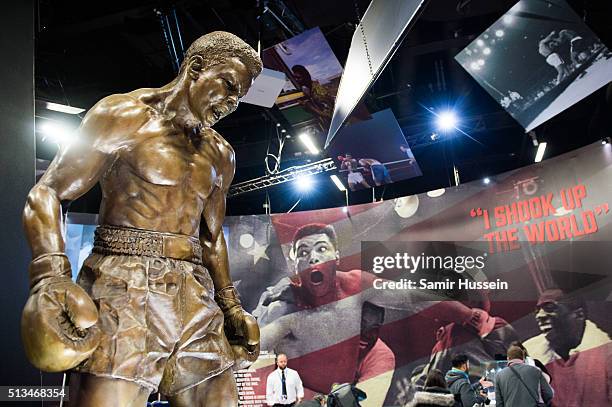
(387, 345)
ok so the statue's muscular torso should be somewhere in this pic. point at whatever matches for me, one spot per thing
(161, 178)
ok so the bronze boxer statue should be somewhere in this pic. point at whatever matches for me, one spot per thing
(154, 307)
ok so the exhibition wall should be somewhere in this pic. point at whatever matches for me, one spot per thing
(545, 230)
(549, 225)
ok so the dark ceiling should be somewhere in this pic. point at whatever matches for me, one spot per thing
(87, 50)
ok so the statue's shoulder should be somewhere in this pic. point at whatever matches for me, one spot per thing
(121, 105)
(223, 146)
(115, 117)
(212, 133)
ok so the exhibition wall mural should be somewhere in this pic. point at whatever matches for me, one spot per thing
(329, 289)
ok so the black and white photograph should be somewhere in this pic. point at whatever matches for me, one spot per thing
(537, 60)
(373, 152)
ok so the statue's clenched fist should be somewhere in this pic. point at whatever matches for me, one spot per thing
(241, 328)
(58, 321)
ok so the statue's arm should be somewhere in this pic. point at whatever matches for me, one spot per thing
(75, 170)
(57, 306)
(214, 247)
(240, 327)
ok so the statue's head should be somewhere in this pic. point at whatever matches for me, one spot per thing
(219, 68)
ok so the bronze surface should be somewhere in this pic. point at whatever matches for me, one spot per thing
(164, 174)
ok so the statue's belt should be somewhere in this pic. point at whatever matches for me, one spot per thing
(121, 240)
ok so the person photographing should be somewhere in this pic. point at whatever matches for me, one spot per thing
(458, 381)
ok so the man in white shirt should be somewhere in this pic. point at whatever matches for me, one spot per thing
(283, 386)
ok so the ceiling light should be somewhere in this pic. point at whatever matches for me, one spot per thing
(304, 182)
(447, 120)
(307, 141)
(338, 183)
(540, 153)
(63, 108)
(56, 132)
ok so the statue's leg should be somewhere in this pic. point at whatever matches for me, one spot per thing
(97, 391)
(218, 391)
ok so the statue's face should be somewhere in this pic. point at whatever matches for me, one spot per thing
(316, 259)
(214, 91)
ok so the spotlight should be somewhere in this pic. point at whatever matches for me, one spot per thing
(283, 131)
(486, 51)
(540, 153)
(447, 120)
(481, 62)
(499, 33)
(55, 132)
(307, 141)
(434, 136)
(486, 181)
(338, 183)
(480, 43)
(345, 209)
(475, 66)
(508, 20)
(304, 182)
(605, 140)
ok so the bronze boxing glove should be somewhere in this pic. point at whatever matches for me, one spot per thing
(58, 321)
(241, 328)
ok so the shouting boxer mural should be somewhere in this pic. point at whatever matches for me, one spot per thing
(154, 306)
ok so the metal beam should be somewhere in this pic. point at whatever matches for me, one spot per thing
(286, 175)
